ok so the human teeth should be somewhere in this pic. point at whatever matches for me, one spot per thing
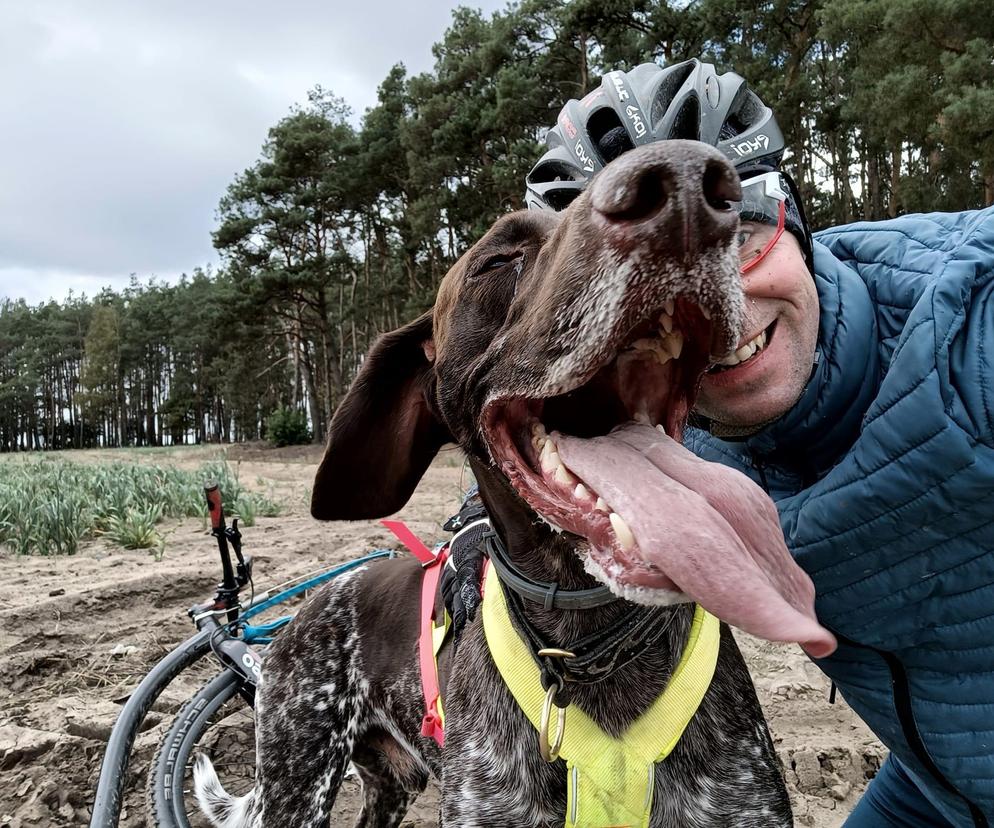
(562, 475)
(600, 505)
(625, 537)
(746, 351)
(581, 492)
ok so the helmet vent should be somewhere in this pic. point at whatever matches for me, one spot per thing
(608, 134)
(732, 127)
(673, 79)
(552, 171)
(687, 123)
(749, 112)
(559, 200)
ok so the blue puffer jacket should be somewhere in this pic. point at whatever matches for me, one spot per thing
(883, 473)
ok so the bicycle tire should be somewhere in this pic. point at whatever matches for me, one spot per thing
(231, 747)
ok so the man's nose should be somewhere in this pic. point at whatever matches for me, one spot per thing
(678, 191)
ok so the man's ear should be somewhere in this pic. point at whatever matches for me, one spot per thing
(383, 434)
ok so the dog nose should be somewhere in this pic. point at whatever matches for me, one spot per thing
(679, 189)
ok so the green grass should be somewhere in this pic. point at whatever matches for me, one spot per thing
(48, 506)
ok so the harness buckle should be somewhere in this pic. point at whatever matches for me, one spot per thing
(550, 753)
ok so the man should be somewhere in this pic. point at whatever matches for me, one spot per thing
(862, 399)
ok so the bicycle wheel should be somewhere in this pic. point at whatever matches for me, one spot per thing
(216, 721)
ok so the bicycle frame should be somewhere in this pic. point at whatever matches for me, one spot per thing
(113, 770)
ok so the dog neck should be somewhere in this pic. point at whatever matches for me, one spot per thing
(545, 554)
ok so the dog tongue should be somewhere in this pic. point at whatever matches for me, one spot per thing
(707, 528)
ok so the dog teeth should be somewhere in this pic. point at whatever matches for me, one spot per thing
(673, 343)
(660, 428)
(669, 306)
(548, 457)
(552, 464)
(655, 346)
(625, 537)
(705, 313)
(581, 492)
(538, 437)
(666, 321)
(601, 506)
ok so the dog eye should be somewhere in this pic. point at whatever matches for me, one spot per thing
(497, 262)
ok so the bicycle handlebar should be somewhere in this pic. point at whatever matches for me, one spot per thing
(214, 507)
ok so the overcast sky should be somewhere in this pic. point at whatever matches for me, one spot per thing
(122, 123)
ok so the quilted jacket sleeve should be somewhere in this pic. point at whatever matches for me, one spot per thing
(899, 536)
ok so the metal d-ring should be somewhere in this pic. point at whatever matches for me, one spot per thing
(550, 753)
(555, 652)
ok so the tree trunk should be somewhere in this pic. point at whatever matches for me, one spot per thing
(895, 181)
(313, 404)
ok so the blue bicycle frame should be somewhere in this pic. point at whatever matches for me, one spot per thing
(113, 771)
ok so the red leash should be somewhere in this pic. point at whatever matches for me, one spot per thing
(432, 564)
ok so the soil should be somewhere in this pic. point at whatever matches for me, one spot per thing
(78, 633)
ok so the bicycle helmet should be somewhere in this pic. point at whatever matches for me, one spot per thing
(652, 103)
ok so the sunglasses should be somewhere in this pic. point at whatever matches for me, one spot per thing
(764, 202)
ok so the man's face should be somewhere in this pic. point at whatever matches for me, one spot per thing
(782, 318)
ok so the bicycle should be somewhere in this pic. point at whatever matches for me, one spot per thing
(204, 721)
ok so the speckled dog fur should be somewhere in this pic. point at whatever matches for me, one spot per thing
(342, 683)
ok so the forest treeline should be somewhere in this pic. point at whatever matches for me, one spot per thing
(339, 232)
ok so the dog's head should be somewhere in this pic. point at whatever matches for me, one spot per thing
(556, 344)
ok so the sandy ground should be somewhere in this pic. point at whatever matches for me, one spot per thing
(77, 634)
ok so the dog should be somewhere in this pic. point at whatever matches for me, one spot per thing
(560, 348)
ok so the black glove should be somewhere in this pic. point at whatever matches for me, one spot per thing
(462, 576)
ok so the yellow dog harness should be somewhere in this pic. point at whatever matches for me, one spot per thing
(610, 780)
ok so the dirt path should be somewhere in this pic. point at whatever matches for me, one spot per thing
(77, 634)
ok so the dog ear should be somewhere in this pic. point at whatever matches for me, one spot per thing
(383, 434)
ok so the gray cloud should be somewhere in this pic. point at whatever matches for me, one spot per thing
(122, 123)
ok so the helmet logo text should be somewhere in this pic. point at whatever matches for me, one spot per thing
(568, 126)
(585, 160)
(619, 86)
(749, 145)
(636, 118)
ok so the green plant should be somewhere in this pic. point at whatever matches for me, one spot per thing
(251, 505)
(287, 427)
(135, 529)
(244, 510)
(50, 506)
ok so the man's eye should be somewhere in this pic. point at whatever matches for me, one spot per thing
(743, 237)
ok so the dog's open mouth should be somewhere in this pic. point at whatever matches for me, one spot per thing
(604, 461)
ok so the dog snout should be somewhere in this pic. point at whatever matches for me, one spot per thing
(680, 191)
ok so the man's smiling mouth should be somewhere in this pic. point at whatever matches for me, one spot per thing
(744, 353)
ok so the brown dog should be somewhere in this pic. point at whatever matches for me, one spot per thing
(556, 343)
